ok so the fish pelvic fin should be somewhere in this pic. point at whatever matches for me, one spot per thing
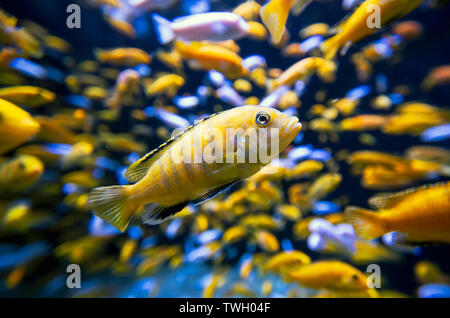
(274, 16)
(367, 223)
(163, 29)
(111, 204)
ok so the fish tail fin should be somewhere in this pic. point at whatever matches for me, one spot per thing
(271, 85)
(329, 48)
(367, 223)
(428, 83)
(299, 6)
(112, 205)
(445, 170)
(163, 28)
(99, 54)
(274, 15)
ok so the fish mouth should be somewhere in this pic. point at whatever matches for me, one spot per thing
(293, 126)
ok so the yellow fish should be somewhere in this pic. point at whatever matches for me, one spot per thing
(127, 86)
(16, 126)
(419, 214)
(30, 96)
(127, 56)
(304, 69)
(427, 272)
(287, 259)
(166, 183)
(358, 25)
(324, 185)
(20, 174)
(249, 10)
(257, 31)
(330, 275)
(166, 84)
(267, 241)
(209, 56)
(275, 13)
(234, 234)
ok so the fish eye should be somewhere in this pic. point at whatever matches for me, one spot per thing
(354, 277)
(22, 165)
(262, 118)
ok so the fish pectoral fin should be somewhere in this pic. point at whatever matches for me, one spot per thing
(213, 192)
(155, 214)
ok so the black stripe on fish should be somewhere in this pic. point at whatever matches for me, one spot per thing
(138, 169)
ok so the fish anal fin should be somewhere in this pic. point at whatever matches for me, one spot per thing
(156, 214)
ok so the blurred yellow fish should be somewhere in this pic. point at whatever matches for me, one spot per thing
(330, 275)
(305, 68)
(128, 57)
(20, 174)
(427, 272)
(358, 25)
(127, 86)
(16, 126)
(249, 10)
(267, 241)
(30, 96)
(209, 56)
(419, 214)
(275, 13)
(167, 84)
(287, 259)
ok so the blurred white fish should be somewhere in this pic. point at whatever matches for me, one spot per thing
(325, 235)
(211, 26)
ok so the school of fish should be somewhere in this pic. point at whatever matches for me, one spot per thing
(94, 171)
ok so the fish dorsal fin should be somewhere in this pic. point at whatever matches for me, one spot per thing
(137, 170)
(389, 200)
(386, 200)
